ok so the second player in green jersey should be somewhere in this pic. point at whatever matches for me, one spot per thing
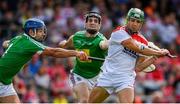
(91, 41)
(90, 45)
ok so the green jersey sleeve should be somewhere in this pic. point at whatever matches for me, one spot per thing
(35, 47)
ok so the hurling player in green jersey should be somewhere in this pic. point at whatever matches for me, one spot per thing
(20, 50)
(84, 74)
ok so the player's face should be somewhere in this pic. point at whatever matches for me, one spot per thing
(134, 24)
(39, 34)
(92, 24)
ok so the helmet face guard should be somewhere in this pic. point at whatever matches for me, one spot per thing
(35, 24)
(136, 14)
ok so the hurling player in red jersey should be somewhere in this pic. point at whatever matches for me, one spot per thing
(126, 47)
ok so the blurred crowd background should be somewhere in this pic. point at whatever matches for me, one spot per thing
(46, 79)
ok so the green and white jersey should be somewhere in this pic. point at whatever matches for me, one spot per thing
(20, 50)
(90, 45)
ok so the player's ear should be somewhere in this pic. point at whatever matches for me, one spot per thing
(99, 26)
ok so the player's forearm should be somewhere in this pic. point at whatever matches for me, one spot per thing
(140, 48)
(150, 52)
(59, 52)
(141, 66)
(145, 50)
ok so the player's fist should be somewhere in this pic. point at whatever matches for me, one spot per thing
(82, 56)
(6, 43)
(164, 52)
(62, 43)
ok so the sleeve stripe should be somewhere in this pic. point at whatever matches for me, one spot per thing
(37, 43)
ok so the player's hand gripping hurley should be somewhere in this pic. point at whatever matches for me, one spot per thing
(153, 46)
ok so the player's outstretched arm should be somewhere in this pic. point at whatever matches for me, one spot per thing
(6, 43)
(63, 53)
(67, 44)
(142, 49)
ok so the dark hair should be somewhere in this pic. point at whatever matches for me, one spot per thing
(93, 14)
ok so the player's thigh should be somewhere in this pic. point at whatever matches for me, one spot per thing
(8, 93)
(126, 95)
(10, 99)
(79, 85)
(98, 95)
(82, 91)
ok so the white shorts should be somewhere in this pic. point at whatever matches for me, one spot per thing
(75, 79)
(116, 82)
(7, 90)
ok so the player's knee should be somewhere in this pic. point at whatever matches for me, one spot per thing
(91, 101)
(84, 100)
(126, 100)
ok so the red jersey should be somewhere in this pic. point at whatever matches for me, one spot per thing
(137, 36)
